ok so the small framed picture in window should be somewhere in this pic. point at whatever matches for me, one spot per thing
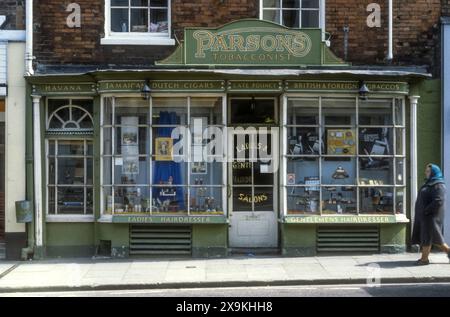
(163, 149)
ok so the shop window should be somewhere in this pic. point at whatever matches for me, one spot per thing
(137, 22)
(141, 172)
(293, 13)
(344, 156)
(69, 157)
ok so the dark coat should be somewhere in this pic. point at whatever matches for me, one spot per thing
(429, 216)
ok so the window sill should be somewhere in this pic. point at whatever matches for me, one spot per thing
(137, 41)
(70, 218)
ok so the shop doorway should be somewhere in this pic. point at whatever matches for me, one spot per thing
(253, 173)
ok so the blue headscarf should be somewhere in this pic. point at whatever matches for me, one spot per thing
(436, 174)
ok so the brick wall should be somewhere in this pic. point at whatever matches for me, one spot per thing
(415, 31)
(15, 14)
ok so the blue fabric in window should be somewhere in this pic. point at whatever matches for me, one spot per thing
(162, 170)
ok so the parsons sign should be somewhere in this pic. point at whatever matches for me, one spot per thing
(252, 42)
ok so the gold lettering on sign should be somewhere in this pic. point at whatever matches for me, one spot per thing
(62, 88)
(293, 43)
(250, 199)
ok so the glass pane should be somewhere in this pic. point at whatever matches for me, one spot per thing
(304, 141)
(271, 3)
(303, 112)
(339, 200)
(71, 171)
(264, 199)
(400, 148)
(303, 171)
(400, 168)
(375, 112)
(339, 111)
(291, 18)
(376, 171)
(262, 174)
(256, 111)
(131, 170)
(107, 141)
(291, 3)
(139, 20)
(71, 148)
(169, 112)
(131, 111)
(90, 148)
(89, 171)
(310, 4)
(206, 200)
(242, 173)
(376, 200)
(51, 171)
(242, 199)
(122, 3)
(168, 173)
(51, 147)
(339, 171)
(310, 19)
(158, 3)
(107, 200)
(119, 20)
(107, 111)
(203, 173)
(55, 104)
(272, 15)
(131, 199)
(132, 140)
(89, 201)
(139, 3)
(376, 141)
(208, 110)
(51, 200)
(400, 198)
(169, 199)
(86, 104)
(158, 21)
(70, 200)
(301, 200)
(399, 112)
(107, 170)
(340, 141)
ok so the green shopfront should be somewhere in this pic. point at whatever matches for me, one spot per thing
(251, 136)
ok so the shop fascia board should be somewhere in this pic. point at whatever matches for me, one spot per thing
(224, 74)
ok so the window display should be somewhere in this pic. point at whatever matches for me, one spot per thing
(344, 156)
(141, 173)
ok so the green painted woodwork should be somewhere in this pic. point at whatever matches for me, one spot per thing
(57, 89)
(210, 235)
(252, 42)
(169, 219)
(298, 240)
(345, 86)
(119, 234)
(70, 234)
(393, 238)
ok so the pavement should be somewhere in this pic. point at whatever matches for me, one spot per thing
(239, 271)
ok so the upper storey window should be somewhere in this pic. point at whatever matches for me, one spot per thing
(137, 22)
(294, 13)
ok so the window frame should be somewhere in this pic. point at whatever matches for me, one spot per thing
(322, 14)
(136, 38)
(395, 186)
(55, 217)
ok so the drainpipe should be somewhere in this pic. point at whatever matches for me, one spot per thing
(390, 54)
(29, 38)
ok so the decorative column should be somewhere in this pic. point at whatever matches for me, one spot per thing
(413, 101)
(37, 156)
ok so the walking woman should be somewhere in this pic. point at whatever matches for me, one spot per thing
(429, 216)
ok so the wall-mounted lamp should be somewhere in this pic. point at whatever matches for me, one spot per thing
(363, 90)
(146, 90)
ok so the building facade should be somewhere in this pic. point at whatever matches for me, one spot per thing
(162, 127)
(12, 128)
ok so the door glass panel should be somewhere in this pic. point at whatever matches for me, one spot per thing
(242, 199)
(252, 111)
